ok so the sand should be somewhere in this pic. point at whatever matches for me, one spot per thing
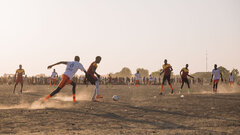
(139, 111)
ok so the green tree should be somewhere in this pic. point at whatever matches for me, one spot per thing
(143, 72)
(125, 72)
(235, 72)
(156, 73)
(225, 72)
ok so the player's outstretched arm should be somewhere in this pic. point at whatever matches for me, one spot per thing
(97, 74)
(190, 76)
(171, 69)
(161, 72)
(61, 62)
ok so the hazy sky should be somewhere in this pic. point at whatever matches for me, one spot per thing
(131, 33)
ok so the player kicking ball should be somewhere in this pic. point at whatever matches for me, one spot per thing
(72, 68)
(167, 69)
(19, 75)
(184, 73)
(216, 73)
(94, 80)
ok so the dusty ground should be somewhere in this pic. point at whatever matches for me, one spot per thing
(139, 111)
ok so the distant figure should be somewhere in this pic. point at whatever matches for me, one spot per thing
(9, 82)
(150, 81)
(231, 79)
(19, 75)
(138, 78)
(216, 73)
(53, 79)
(184, 73)
(167, 69)
(71, 69)
(94, 80)
(109, 79)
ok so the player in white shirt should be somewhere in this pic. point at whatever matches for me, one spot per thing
(138, 78)
(72, 68)
(231, 79)
(53, 78)
(150, 81)
(216, 73)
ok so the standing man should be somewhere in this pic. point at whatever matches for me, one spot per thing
(231, 79)
(150, 80)
(53, 79)
(216, 73)
(138, 78)
(94, 80)
(19, 75)
(167, 70)
(71, 69)
(184, 73)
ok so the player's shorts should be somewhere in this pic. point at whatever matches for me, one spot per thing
(185, 80)
(65, 81)
(231, 82)
(166, 78)
(19, 80)
(216, 81)
(91, 78)
(137, 82)
(53, 80)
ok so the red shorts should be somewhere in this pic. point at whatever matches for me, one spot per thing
(53, 80)
(137, 81)
(216, 81)
(19, 80)
(65, 81)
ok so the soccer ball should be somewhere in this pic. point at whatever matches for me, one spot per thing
(115, 98)
(182, 96)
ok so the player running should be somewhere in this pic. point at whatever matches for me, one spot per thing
(53, 78)
(231, 79)
(94, 80)
(138, 78)
(19, 75)
(184, 73)
(167, 69)
(71, 69)
(216, 73)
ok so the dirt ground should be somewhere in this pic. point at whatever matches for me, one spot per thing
(139, 111)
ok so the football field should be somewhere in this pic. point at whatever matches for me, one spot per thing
(139, 111)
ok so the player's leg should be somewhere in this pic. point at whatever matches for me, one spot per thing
(164, 79)
(21, 87)
(98, 88)
(180, 91)
(15, 86)
(50, 83)
(216, 87)
(96, 91)
(74, 91)
(169, 82)
(63, 82)
(187, 81)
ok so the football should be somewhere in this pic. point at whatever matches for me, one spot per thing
(115, 98)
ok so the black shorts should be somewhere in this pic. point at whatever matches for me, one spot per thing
(185, 80)
(91, 78)
(166, 78)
